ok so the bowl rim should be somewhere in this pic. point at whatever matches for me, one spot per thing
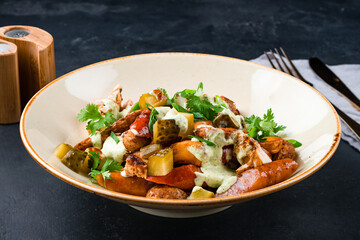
(138, 200)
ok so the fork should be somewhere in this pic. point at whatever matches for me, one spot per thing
(293, 71)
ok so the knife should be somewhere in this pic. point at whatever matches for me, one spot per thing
(334, 81)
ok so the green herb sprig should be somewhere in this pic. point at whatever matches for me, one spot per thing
(96, 121)
(198, 104)
(108, 167)
(260, 128)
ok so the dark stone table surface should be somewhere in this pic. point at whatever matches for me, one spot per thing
(36, 205)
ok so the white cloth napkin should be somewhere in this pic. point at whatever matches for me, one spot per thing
(349, 74)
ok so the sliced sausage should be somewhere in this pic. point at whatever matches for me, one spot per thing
(261, 177)
(166, 192)
(129, 185)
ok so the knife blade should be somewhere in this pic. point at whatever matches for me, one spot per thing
(334, 81)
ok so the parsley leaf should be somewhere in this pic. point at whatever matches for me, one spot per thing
(259, 128)
(209, 143)
(295, 143)
(135, 107)
(153, 116)
(95, 120)
(113, 136)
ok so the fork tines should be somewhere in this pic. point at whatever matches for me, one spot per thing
(283, 66)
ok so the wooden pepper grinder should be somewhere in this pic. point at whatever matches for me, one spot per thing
(10, 107)
(36, 60)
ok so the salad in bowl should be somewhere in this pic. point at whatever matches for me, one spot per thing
(188, 146)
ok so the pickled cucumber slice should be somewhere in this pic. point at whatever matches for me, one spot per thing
(77, 161)
(61, 150)
(165, 131)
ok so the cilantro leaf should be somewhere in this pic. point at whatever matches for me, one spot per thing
(259, 128)
(135, 107)
(95, 120)
(295, 143)
(209, 143)
(108, 167)
(113, 136)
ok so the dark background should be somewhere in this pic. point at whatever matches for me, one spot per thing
(36, 205)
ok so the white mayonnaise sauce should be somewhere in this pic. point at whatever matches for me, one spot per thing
(214, 173)
(112, 107)
(113, 150)
(180, 120)
(162, 112)
(96, 139)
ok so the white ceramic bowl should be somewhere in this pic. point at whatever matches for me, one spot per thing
(309, 117)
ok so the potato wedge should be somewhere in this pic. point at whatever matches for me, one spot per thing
(156, 99)
(181, 154)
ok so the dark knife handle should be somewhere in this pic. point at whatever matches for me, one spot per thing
(353, 126)
(334, 81)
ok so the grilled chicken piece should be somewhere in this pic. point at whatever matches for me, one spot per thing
(166, 192)
(207, 122)
(231, 105)
(249, 153)
(120, 126)
(261, 177)
(135, 166)
(202, 131)
(133, 143)
(279, 148)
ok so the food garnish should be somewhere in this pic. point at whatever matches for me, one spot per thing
(96, 120)
(109, 166)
